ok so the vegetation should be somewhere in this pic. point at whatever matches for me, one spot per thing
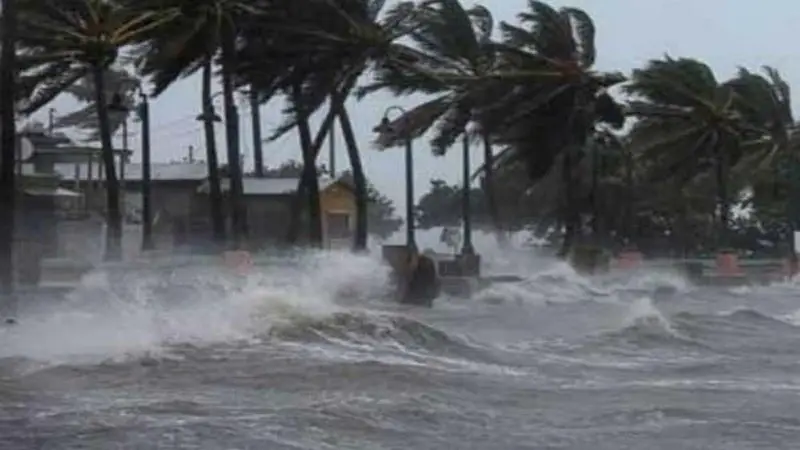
(560, 151)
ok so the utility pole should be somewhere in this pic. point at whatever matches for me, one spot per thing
(147, 212)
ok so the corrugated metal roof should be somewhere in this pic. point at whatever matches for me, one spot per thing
(133, 172)
(269, 186)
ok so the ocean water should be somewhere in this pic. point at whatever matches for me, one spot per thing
(308, 354)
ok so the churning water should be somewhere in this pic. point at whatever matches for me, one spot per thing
(308, 354)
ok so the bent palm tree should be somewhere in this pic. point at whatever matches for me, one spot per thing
(689, 126)
(199, 30)
(118, 82)
(455, 41)
(550, 98)
(326, 47)
(8, 144)
(67, 40)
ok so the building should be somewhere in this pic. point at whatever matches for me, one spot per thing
(268, 202)
(173, 195)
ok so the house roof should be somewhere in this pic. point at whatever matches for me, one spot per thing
(133, 172)
(270, 186)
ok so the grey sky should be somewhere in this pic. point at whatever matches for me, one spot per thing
(724, 33)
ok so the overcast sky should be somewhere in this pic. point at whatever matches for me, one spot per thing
(724, 33)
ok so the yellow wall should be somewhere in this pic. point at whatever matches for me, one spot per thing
(337, 199)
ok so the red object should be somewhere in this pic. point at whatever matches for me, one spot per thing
(629, 259)
(728, 264)
(790, 267)
(239, 260)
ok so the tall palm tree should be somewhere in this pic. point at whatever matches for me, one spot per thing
(550, 99)
(328, 45)
(8, 142)
(200, 30)
(689, 124)
(119, 82)
(67, 40)
(450, 40)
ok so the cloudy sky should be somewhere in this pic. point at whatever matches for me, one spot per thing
(724, 33)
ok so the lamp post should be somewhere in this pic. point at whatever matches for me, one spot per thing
(147, 211)
(386, 127)
(467, 248)
(255, 117)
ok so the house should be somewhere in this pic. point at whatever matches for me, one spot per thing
(173, 195)
(268, 202)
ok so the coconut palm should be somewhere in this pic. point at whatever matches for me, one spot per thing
(457, 41)
(8, 143)
(68, 40)
(690, 124)
(119, 82)
(327, 47)
(550, 99)
(199, 30)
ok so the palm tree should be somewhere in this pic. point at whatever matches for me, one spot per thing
(8, 144)
(197, 32)
(689, 124)
(326, 47)
(68, 40)
(119, 82)
(766, 104)
(550, 98)
(455, 41)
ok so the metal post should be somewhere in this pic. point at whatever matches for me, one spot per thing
(411, 241)
(332, 150)
(467, 248)
(51, 121)
(147, 211)
(255, 116)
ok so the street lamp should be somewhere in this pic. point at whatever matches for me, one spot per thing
(467, 249)
(387, 127)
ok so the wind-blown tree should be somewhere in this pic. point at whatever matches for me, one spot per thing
(8, 144)
(199, 31)
(327, 46)
(455, 41)
(67, 40)
(119, 82)
(770, 166)
(690, 125)
(550, 99)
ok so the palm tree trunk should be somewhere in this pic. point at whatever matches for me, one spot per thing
(359, 179)
(309, 177)
(215, 190)
(570, 215)
(8, 146)
(593, 195)
(300, 191)
(722, 195)
(489, 191)
(113, 213)
(238, 225)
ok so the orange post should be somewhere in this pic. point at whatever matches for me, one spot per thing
(728, 264)
(239, 261)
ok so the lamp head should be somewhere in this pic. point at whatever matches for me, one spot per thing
(384, 127)
(214, 117)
